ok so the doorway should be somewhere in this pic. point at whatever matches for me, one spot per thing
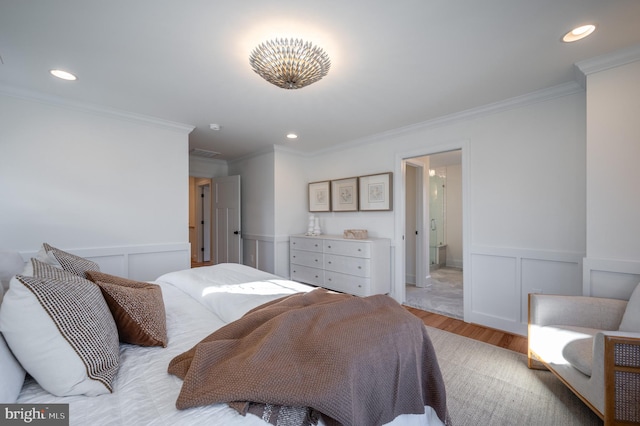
(214, 220)
(433, 230)
(200, 231)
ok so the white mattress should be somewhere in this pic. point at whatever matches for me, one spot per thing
(144, 393)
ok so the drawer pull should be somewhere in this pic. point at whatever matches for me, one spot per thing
(316, 260)
(294, 256)
(328, 246)
(329, 262)
(359, 267)
(316, 245)
(316, 276)
(330, 279)
(359, 249)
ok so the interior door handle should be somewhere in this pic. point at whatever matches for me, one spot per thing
(236, 232)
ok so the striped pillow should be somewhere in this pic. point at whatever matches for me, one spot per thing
(59, 327)
(67, 261)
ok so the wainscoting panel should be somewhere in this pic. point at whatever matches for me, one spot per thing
(502, 278)
(144, 263)
(549, 276)
(494, 285)
(268, 253)
(610, 278)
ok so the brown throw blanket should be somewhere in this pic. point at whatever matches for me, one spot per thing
(359, 361)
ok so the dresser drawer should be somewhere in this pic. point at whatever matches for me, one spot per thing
(347, 283)
(306, 258)
(348, 248)
(307, 244)
(357, 266)
(308, 275)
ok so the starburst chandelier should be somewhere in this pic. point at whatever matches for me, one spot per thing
(289, 63)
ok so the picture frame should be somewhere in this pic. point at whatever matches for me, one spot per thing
(320, 196)
(376, 192)
(344, 195)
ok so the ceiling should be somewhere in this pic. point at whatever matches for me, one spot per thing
(394, 64)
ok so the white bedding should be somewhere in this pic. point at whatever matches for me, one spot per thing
(197, 302)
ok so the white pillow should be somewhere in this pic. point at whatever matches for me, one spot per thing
(631, 318)
(11, 263)
(59, 327)
(12, 374)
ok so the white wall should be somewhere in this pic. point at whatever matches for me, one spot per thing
(612, 264)
(454, 216)
(258, 197)
(90, 181)
(207, 167)
(525, 205)
(291, 215)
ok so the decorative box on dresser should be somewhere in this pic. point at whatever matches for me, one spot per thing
(360, 267)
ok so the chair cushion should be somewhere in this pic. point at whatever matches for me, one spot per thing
(631, 318)
(579, 353)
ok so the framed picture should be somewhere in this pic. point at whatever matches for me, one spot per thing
(376, 192)
(344, 195)
(319, 197)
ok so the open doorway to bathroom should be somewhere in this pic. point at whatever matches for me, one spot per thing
(433, 229)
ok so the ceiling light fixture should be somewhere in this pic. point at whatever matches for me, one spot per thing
(578, 33)
(292, 136)
(65, 75)
(289, 63)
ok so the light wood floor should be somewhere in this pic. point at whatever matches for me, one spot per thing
(498, 338)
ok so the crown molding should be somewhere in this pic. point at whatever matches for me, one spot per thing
(93, 109)
(542, 95)
(605, 62)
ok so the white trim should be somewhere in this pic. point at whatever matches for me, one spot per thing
(542, 95)
(92, 108)
(398, 263)
(267, 238)
(140, 262)
(608, 61)
(612, 266)
(116, 250)
(519, 253)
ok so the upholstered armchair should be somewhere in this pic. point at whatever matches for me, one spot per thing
(593, 346)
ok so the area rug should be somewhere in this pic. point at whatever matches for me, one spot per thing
(488, 385)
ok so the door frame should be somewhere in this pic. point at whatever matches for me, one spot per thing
(422, 237)
(398, 290)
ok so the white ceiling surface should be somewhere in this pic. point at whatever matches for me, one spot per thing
(394, 63)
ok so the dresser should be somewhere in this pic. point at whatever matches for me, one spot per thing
(359, 267)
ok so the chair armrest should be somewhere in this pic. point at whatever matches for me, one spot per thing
(621, 378)
(579, 311)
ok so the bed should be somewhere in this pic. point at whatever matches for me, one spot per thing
(196, 305)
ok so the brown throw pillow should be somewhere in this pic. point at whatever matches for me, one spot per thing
(137, 308)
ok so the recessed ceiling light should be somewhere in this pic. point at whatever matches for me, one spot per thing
(578, 33)
(63, 75)
(292, 136)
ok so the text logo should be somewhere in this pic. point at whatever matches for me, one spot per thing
(34, 414)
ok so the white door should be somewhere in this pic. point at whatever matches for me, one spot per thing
(226, 220)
